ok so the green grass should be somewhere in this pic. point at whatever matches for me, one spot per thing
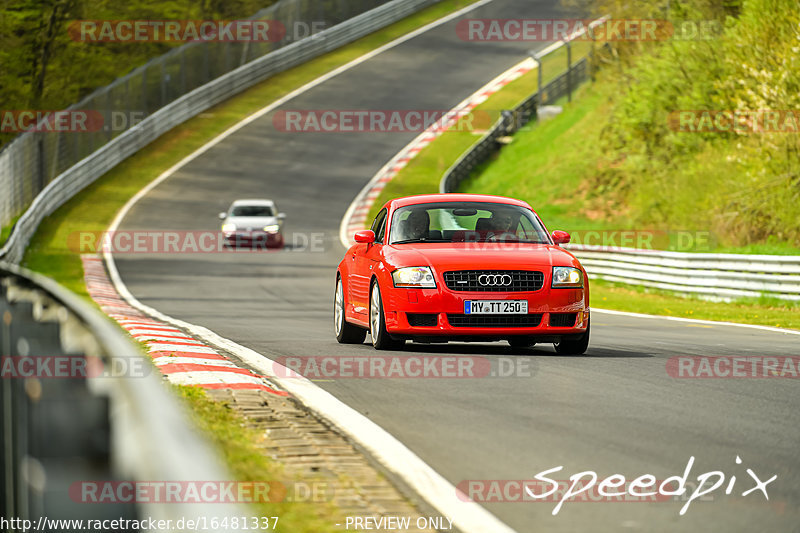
(548, 179)
(423, 173)
(763, 311)
(94, 208)
(237, 443)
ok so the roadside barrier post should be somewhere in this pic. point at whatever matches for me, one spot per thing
(569, 70)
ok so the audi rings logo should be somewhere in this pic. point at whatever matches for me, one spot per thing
(495, 280)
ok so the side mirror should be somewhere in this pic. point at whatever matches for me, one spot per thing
(281, 216)
(365, 236)
(560, 237)
(222, 215)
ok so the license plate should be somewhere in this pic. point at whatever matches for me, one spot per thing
(496, 307)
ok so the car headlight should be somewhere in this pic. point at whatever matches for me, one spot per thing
(567, 278)
(272, 228)
(229, 227)
(421, 277)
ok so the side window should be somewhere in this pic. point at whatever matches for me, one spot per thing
(379, 226)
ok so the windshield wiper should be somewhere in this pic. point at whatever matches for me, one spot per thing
(407, 241)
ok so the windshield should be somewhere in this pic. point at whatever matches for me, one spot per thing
(466, 222)
(252, 211)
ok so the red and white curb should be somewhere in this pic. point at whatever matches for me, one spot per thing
(184, 360)
(355, 218)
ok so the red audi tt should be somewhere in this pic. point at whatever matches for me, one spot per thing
(461, 267)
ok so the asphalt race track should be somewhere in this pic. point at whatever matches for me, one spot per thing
(614, 411)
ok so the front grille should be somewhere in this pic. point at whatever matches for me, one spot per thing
(495, 280)
(562, 320)
(422, 319)
(494, 321)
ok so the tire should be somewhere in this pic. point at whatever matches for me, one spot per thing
(377, 322)
(346, 333)
(521, 342)
(574, 346)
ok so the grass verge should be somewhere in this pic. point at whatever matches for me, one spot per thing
(422, 174)
(93, 208)
(237, 444)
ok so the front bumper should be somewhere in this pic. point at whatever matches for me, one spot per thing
(254, 239)
(408, 313)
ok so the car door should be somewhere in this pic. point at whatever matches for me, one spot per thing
(365, 258)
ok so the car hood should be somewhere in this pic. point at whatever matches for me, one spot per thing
(478, 256)
(251, 223)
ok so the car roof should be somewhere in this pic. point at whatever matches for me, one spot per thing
(253, 201)
(454, 197)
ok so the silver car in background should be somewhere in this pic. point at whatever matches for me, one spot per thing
(254, 223)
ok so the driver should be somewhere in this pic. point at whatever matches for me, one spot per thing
(417, 224)
(500, 224)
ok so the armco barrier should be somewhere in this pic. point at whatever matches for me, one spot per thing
(57, 432)
(100, 161)
(716, 276)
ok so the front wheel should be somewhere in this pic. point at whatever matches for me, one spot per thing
(346, 333)
(377, 322)
(575, 345)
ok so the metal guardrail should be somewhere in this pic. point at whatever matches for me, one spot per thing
(82, 427)
(716, 276)
(21, 163)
